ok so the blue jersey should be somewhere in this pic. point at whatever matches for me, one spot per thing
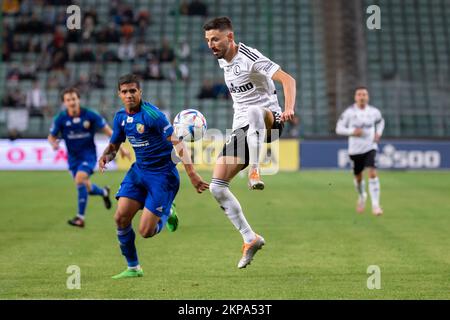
(147, 131)
(78, 133)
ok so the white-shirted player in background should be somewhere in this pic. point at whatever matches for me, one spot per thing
(364, 125)
(249, 76)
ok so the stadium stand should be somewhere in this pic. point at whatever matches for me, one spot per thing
(407, 66)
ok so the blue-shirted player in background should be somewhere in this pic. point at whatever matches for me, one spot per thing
(152, 182)
(77, 126)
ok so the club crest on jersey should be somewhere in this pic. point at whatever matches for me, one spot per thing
(140, 128)
(236, 70)
(86, 124)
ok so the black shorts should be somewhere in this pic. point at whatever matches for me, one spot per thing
(364, 160)
(237, 145)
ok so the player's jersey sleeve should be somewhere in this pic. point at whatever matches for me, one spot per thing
(265, 66)
(55, 129)
(342, 126)
(163, 125)
(118, 135)
(99, 121)
(379, 122)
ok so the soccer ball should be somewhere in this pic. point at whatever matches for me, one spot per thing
(189, 125)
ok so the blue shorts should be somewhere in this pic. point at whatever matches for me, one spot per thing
(154, 190)
(87, 166)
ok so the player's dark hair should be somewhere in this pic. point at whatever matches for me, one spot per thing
(129, 78)
(361, 88)
(70, 90)
(219, 23)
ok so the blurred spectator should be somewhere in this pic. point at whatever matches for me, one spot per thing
(166, 54)
(154, 70)
(127, 30)
(10, 7)
(90, 14)
(143, 17)
(83, 83)
(16, 113)
(29, 25)
(198, 8)
(88, 29)
(179, 71)
(142, 53)
(108, 34)
(183, 50)
(126, 51)
(26, 7)
(36, 103)
(211, 90)
(73, 36)
(58, 79)
(13, 73)
(184, 8)
(105, 54)
(96, 79)
(28, 71)
(85, 55)
(207, 90)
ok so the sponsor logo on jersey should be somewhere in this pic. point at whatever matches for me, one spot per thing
(140, 128)
(68, 123)
(244, 88)
(129, 119)
(76, 120)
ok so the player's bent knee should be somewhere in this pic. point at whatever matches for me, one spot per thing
(146, 232)
(122, 221)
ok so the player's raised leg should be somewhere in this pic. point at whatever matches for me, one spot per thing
(260, 122)
(151, 224)
(225, 169)
(126, 210)
(374, 190)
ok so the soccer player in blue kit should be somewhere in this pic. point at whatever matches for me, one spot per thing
(77, 127)
(152, 182)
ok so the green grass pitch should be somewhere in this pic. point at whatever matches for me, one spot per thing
(317, 246)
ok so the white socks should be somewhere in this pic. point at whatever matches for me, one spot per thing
(229, 203)
(360, 187)
(255, 134)
(374, 190)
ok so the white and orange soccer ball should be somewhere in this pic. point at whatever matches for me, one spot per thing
(190, 125)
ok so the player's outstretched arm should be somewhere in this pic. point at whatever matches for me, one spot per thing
(54, 142)
(124, 153)
(289, 90)
(108, 155)
(183, 153)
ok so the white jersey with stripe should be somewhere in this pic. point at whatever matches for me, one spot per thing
(249, 80)
(369, 120)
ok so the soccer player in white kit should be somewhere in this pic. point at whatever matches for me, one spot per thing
(249, 76)
(364, 125)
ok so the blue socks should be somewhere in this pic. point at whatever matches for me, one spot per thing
(82, 200)
(96, 190)
(161, 223)
(126, 238)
